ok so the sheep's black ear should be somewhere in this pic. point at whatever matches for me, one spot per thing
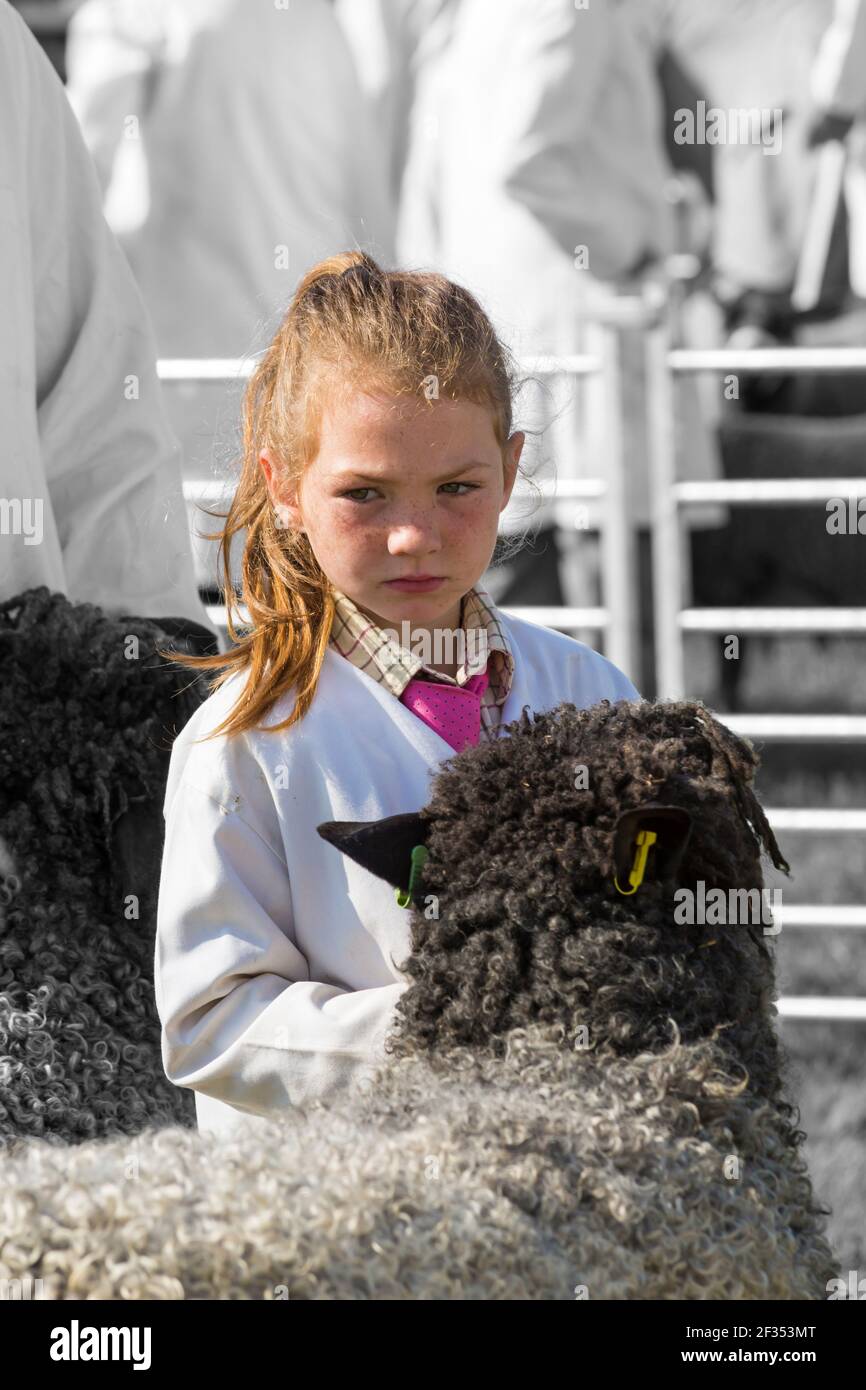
(382, 846)
(672, 825)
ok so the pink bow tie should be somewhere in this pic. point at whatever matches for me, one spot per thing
(452, 711)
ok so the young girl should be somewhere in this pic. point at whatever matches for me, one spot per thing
(378, 455)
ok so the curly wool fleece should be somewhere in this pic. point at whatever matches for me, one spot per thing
(88, 713)
(493, 1157)
(541, 1175)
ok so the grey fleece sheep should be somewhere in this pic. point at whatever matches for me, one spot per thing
(582, 1097)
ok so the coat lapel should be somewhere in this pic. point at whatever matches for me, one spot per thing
(418, 735)
(428, 744)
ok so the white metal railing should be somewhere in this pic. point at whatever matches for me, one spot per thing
(805, 915)
(651, 312)
(206, 368)
(754, 361)
(797, 728)
(822, 1008)
(772, 619)
(670, 498)
(832, 819)
(741, 492)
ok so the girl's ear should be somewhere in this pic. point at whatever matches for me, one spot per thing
(511, 458)
(383, 847)
(284, 502)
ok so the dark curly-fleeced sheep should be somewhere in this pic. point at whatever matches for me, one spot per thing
(581, 1098)
(531, 926)
(88, 713)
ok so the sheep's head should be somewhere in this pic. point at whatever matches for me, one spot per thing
(522, 909)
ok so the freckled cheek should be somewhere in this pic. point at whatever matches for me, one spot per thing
(465, 516)
(342, 521)
(344, 531)
(467, 524)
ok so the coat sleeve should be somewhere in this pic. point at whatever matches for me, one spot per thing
(241, 1019)
(111, 461)
(570, 57)
(837, 74)
(555, 171)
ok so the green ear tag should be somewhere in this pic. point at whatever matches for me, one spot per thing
(417, 858)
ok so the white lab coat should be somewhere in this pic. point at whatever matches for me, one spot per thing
(277, 959)
(540, 132)
(251, 154)
(90, 490)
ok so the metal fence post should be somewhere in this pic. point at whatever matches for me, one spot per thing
(618, 565)
(666, 521)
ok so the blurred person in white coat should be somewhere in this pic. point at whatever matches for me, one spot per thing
(236, 148)
(90, 490)
(536, 133)
(838, 90)
(749, 55)
(536, 176)
(396, 45)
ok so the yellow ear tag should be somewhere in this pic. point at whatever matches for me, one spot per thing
(645, 839)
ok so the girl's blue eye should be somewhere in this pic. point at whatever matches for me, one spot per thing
(472, 487)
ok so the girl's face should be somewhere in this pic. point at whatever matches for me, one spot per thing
(402, 486)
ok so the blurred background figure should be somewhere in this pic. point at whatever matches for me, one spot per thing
(235, 148)
(536, 173)
(749, 55)
(90, 471)
(536, 131)
(838, 89)
(395, 45)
